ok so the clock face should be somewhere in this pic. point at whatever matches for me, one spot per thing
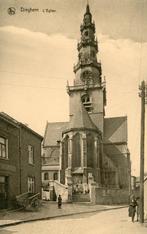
(86, 76)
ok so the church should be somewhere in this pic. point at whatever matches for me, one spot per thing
(87, 158)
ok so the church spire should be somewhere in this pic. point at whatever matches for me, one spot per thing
(87, 65)
(87, 20)
(88, 13)
(87, 8)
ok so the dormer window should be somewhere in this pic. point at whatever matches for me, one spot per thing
(87, 102)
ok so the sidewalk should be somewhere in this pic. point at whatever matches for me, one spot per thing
(50, 210)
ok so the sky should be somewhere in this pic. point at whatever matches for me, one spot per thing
(38, 51)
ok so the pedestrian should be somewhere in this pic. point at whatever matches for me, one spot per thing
(132, 209)
(59, 201)
(138, 208)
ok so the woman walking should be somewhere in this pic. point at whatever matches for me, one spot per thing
(59, 201)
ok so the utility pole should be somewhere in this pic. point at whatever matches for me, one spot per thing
(142, 95)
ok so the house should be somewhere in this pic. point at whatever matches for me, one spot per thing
(145, 195)
(20, 160)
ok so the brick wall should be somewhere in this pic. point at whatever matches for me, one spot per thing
(30, 170)
(10, 167)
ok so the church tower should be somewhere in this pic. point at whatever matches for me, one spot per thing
(88, 86)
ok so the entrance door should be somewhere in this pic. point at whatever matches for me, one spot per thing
(78, 183)
(3, 192)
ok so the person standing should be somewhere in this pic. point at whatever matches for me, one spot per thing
(132, 209)
(59, 201)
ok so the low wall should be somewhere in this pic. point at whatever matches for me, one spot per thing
(110, 196)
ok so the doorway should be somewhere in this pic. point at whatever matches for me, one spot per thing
(3, 192)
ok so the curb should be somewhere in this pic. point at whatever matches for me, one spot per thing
(58, 216)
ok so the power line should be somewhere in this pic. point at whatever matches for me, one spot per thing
(34, 75)
(29, 86)
(47, 87)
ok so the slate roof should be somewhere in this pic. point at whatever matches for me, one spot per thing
(81, 119)
(117, 154)
(53, 132)
(115, 133)
(17, 124)
(115, 130)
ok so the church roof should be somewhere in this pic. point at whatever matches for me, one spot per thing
(115, 130)
(53, 132)
(115, 139)
(117, 153)
(81, 119)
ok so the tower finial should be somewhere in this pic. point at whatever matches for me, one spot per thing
(87, 7)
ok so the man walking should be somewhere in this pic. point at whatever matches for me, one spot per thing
(132, 208)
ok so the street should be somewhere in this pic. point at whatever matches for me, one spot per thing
(106, 222)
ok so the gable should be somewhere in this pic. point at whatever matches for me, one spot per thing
(53, 133)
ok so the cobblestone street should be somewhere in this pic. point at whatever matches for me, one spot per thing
(106, 222)
(50, 210)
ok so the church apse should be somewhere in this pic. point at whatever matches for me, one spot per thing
(82, 148)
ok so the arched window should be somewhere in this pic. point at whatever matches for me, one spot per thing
(76, 151)
(65, 146)
(46, 177)
(55, 176)
(90, 151)
(64, 161)
(85, 99)
(86, 102)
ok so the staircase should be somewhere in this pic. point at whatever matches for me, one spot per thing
(62, 190)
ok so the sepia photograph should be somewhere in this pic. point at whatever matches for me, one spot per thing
(73, 103)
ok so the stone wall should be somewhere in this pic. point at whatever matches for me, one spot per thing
(109, 196)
